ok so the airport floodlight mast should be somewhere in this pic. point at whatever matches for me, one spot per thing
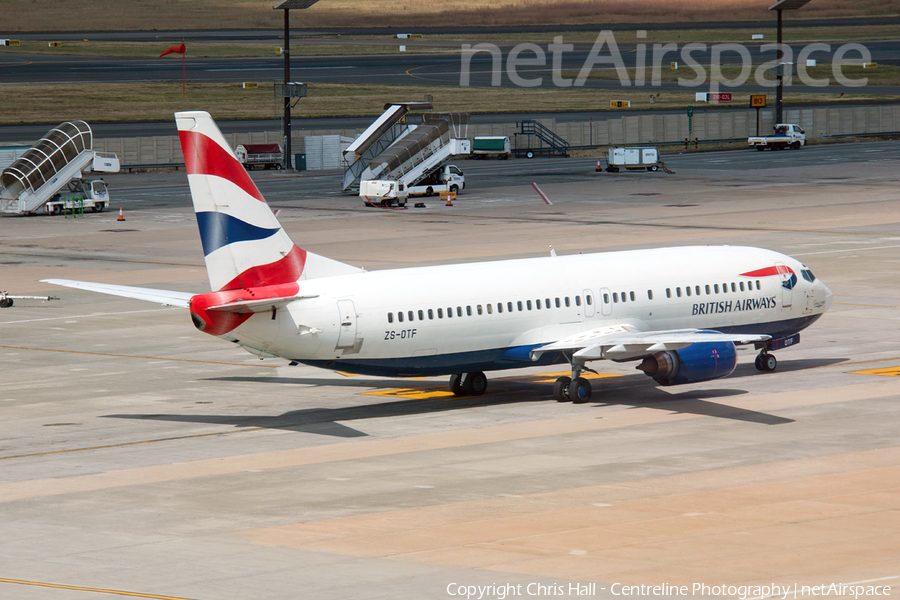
(779, 91)
(286, 6)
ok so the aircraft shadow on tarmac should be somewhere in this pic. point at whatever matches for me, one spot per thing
(635, 391)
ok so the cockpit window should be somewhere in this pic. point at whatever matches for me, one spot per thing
(808, 275)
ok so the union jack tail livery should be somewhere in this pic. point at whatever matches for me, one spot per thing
(244, 245)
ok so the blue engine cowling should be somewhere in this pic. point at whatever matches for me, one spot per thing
(702, 361)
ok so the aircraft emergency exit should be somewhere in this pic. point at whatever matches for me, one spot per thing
(678, 313)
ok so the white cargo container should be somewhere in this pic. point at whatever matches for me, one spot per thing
(631, 158)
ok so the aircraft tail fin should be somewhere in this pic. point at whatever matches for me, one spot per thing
(244, 245)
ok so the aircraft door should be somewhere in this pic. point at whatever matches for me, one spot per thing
(589, 303)
(605, 301)
(788, 279)
(347, 335)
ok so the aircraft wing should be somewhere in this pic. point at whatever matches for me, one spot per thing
(164, 297)
(623, 342)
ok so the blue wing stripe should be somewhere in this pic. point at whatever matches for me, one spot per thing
(218, 230)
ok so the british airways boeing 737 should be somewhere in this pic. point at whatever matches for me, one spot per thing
(676, 312)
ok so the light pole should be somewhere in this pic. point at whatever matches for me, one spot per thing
(286, 6)
(779, 91)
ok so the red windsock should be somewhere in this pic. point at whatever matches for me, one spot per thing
(174, 49)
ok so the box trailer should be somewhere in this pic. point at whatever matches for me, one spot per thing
(490, 146)
(620, 157)
(267, 156)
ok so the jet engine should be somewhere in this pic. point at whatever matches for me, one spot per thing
(702, 361)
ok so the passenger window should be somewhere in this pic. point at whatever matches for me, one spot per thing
(519, 305)
(616, 297)
(716, 288)
(623, 297)
(440, 313)
(733, 287)
(499, 307)
(650, 294)
(390, 317)
(468, 311)
(411, 316)
(631, 295)
(605, 298)
(589, 299)
(449, 312)
(742, 286)
(577, 300)
(697, 289)
(724, 288)
(567, 302)
(400, 316)
(687, 290)
(479, 309)
(707, 290)
(678, 292)
(528, 304)
(668, 292)
(459, 311)
(537, 304)
(759, 287)
(430, 315)
(557, 303)
(547, 302)
(509, 307)
(421, 315)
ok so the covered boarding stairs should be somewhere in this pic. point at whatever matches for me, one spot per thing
(46, 168)
(397, 121)
(421, 150)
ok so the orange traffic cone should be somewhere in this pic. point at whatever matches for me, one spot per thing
(121, 216)
(448, 202)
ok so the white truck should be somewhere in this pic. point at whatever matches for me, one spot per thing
(786, 135)
(448, 178)
(80, 195)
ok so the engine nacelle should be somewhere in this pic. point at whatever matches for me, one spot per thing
(702, 361)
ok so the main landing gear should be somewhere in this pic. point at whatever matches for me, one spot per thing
(574, 389)
(468, 384)
(766, 362)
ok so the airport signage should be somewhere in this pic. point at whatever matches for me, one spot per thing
(620, 103)
(758, 101)
(723, 97)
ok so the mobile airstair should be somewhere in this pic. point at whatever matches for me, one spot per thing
(43, 171)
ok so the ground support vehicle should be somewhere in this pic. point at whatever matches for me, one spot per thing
(491, 146)
(634, 159)
(786, 135)
(266, 156)
(61, 157)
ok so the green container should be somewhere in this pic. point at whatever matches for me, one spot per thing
(300, 162)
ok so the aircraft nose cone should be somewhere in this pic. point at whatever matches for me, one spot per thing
(829, 297)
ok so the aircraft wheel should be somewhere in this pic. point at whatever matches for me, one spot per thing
(6, 303)
(769, 362)
(580, 390)
(475, 384)
(561, 389)
(456, 385)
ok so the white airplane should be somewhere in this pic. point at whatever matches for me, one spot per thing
(677, 312)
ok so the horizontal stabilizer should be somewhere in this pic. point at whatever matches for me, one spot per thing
(164, 297)
(255, 306)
